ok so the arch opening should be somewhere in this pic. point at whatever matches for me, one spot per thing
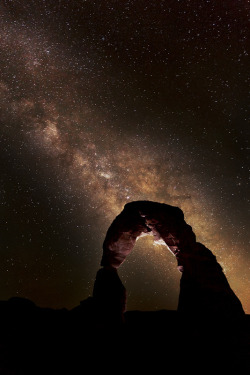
(150, 276)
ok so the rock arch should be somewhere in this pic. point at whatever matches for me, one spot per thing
(204, 288)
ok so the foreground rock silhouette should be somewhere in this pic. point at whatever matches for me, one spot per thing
(208, 332)
(35, 340)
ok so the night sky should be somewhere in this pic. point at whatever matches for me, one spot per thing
(106, 102)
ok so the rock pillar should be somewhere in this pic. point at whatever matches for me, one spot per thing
(109, 296)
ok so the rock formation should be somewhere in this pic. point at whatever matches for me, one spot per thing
(110, 296)
(204, 289)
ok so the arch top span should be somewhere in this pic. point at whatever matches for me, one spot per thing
(141, 217)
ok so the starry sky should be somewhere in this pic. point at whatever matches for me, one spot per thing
(107, 102)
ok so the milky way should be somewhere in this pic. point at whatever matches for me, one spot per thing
(96, 114)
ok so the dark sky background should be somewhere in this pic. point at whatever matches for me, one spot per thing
(106, 102)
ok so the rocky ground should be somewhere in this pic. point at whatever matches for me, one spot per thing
(78, 341)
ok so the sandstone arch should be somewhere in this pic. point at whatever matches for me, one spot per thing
(204, 288)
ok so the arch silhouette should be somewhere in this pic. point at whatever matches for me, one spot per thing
(204, 288)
